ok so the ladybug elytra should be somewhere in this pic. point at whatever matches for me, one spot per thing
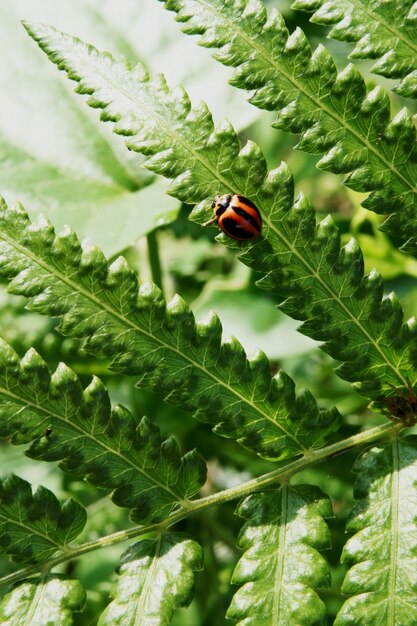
(236, 216)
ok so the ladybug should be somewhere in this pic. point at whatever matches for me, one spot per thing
(237, 216)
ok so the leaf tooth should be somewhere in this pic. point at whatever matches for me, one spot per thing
(298, 48)
(401, 130)
(268, 97)
(377, 105)
(27, 282)
(67, 244)
(261, 373)
(40, 233)
(181, 317)
(280, 183)
(191, 465)
(225, 134)
(148, 434)
(149, 295)
(275, 24)
(92, 262)
(365, 178)
(215, 37)
(15, 216)
(233, 354)
(307, 5)
(251, 161)
(255, 11)
(365, 48)
(391, 309)
(201, 120)
(96, 395)
(327, 240)
(351, 262)
(322, 65)
(392, 65)
(314, 141)
(190, 189)
(9, 360)
(350, 86)
(407, 87)
(209, 335)
(123, 282)
(328, 13)
(341, 160)
(34, 369)
(65, 383)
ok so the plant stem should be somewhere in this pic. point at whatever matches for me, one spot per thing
(154, 260)
(255, 484)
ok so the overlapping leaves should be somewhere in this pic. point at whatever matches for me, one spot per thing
(383, 580)
(93, 440)
(385, 31)
(35, 526)
(319, 282)
(334, 114)
(155, 577)
(160, 344)
(281, 566)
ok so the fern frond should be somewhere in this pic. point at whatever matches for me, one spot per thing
(383, 579)
(155, 577)
(304, 265)
(324, 284)
(34, 526)
(281, 566)
(160, 344)
(49, 600)
(381, 30)
(92, 440)
(334, 113)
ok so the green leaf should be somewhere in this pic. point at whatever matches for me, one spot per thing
(105, 445)
(385, 31)
(383, 579)
(159, 343)
(34, 526)
(90, 205)
(319, 282)
(54, 155)
(155, 577)
(323, 284)
(281, 566)
(335, 114)
(51, 600)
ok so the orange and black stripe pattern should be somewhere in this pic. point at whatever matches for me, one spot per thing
(237, 216)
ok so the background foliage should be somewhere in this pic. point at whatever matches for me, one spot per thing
(109, 443)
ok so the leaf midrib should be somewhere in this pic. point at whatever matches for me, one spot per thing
(129, 323)
(393, 566)
(141, 605)
(340, 302)
(379, 19)
(310, 96)
(32, 530)
(279, 571)
(215, 173)
(27, 403)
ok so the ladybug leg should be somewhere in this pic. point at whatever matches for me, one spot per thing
(214, 219)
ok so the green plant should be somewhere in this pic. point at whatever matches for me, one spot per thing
(130, 331)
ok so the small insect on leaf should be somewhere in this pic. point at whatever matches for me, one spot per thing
(236, 216)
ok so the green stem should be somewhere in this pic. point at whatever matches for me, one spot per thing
(154, 260)
(255, 484)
